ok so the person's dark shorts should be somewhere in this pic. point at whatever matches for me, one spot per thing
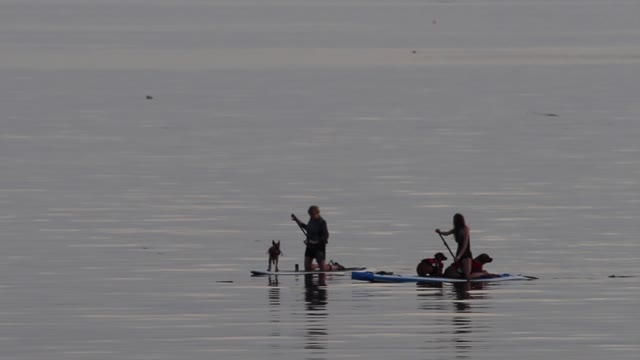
(315, 253)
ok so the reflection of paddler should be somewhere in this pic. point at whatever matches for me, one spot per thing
(317, 234)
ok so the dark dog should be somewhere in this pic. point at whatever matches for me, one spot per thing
(431, 267)
(477, 268)
(274, 253)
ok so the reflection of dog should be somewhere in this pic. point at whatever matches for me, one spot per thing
(431, 267)
(274, 253)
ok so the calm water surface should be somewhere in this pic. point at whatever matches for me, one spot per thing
(129, 225)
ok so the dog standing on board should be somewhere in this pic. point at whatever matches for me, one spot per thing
(274, 253)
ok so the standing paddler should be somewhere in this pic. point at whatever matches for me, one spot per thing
(317, 237)
(462, 236)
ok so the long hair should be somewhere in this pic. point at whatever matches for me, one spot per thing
(458, 222)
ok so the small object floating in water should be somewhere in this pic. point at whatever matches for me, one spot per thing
(414, 52)
(149, 97)
(225, 281)
(546, 114)
(620, 276)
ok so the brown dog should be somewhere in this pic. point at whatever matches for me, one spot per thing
(431, 267)
(274, 253)
(477, 268)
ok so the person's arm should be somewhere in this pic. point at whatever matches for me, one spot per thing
(325, 232)
(445, 233)
(300, 223)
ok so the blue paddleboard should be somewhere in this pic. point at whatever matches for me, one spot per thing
(393, 278)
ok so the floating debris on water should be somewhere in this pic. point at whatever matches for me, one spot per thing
(546, 114)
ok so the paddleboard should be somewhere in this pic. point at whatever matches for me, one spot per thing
(373, 277)
(293, 272)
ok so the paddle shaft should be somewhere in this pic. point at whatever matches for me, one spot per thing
(447, 245)
(300, 226)
(303, 230)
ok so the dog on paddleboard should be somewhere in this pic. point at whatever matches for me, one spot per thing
(432, 266)
(331, 266)
(454, 270)
(274, 253)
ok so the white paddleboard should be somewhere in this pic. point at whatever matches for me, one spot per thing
(302, 272)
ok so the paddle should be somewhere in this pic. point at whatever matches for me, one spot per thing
(447, 245)
(299, 223)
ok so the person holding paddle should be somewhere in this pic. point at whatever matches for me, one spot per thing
(317, 234)
(462, 236)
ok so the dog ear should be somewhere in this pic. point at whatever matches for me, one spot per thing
(278, 242)
(273, 242)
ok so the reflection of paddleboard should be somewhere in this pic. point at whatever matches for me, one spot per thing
(293, 272)
(373, 277)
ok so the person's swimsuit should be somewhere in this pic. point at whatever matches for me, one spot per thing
(459, 236)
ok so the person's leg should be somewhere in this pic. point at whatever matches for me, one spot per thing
(451, 272)
(320, 259)
(307, 263)
(466, 267)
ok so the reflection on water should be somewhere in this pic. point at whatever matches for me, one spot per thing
(274, 291)
(462, 294)
(463, 328)
(430, 300)
(429, 293)
(274, 310)
(463, 325)
(313, 319)
(315, 297)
